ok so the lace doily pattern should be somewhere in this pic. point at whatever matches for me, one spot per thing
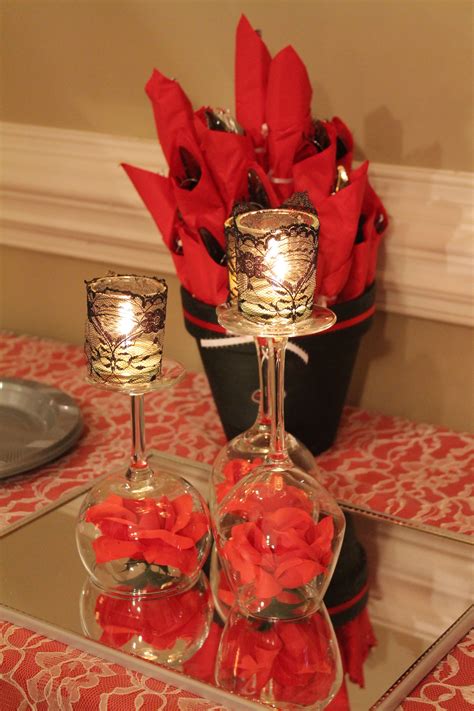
(416, 472)
(40, 673)
(449, 687)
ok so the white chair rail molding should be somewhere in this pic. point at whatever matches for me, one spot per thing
(63, 192)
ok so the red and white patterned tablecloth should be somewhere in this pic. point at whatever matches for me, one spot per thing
(41, 674)
(450, 685)
(419, 473)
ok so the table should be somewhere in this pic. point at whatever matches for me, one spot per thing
(385, 467)
(418, 474)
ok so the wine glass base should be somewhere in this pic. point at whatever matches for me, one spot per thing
(234, 321)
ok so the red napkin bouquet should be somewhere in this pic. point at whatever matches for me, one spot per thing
(276, 148)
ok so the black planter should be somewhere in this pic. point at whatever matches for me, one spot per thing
(318, 370)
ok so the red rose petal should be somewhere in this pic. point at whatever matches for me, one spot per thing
(109, 509)
(265, 584)
(107, 549)
(166, 513)
(149, 519)
(289, 517)
(296, 572)
(197, 527)
(172, 539)
(117, 528)
(159, 553)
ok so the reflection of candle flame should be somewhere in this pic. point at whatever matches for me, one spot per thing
(278, 483)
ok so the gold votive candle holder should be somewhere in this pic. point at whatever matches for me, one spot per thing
(125, 329)
(276, 251)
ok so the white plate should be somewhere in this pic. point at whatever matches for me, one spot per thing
(38, 423)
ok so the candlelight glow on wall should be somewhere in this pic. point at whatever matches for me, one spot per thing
(276, 264)
(125, 329)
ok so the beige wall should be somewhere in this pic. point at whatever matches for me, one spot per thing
(398, 71)
(410, 367)
(45, 295)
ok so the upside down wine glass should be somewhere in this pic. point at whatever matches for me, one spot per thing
(140, 531)
(278, 532)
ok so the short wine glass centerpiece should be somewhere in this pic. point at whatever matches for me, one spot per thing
(141, 529)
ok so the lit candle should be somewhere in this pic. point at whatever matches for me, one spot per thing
(125, 329)
(276, 264)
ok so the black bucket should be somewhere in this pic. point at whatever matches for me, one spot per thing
(318, 370)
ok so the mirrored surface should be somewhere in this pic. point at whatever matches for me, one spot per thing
(43, 577)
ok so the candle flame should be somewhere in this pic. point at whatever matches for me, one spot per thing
(126, 318)
(276, 260)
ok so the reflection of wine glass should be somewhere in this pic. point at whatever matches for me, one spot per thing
(167, 630)
(287, 664)
(278, 532)
(140, 528)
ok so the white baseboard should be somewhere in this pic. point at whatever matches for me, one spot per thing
(63, 192)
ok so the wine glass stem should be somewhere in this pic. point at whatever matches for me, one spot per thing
(276, 389)
(264, 412)
(138, 460)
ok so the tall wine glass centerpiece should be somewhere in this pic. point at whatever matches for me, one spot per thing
(278, 532)
(139, 530)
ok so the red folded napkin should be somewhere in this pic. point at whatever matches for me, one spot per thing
(252, 63)
(339, 218)
(317, 175)
(288, 116)
(228, 156)
(205, 279)
(200, 205)
(156, 192)
(372, 224)
(283, 150)
(172, 110)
